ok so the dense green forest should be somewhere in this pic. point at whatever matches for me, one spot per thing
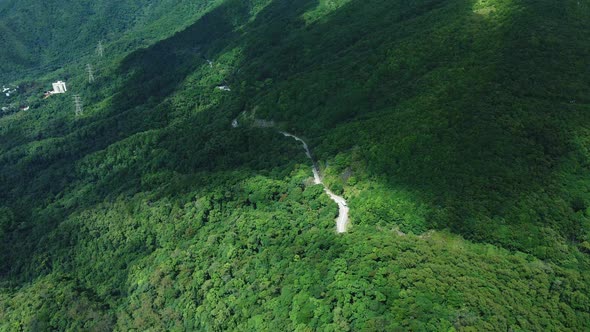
(457, 130)
(43, 36)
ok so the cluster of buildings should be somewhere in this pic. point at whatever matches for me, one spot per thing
(8, 91)
(58, 87)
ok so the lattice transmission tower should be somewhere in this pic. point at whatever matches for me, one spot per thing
(78, 105)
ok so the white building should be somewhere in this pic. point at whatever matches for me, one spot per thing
(59, 87)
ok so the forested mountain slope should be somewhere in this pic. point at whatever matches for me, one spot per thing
(51, 34)
(458, 131)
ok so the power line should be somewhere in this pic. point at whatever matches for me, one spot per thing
(54, 64)
(51, 66)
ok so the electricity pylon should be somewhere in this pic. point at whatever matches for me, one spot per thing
(90, 74)
(78, 104)
(100, 49)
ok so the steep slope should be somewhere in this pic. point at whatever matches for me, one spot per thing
(14, 53)
(462, 122)
(57, 33)
(463, 105)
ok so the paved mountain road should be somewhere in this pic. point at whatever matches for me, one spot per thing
(343, 209)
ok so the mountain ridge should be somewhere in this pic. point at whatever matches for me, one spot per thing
(450, 121)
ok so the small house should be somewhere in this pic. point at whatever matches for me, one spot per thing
(59, 87)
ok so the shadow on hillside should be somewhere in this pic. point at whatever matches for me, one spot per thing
(469, 111)
(195, 144)
(465, 108)
(322, 76)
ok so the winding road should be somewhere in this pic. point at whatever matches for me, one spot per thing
(342, 220)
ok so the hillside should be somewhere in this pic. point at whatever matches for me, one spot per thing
(457, 131)
(52, 34)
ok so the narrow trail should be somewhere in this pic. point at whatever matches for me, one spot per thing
(343, 209)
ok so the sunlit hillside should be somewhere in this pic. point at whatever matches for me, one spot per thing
(456, 132)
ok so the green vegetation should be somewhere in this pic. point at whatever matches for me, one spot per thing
(43, 36)
(456, 129)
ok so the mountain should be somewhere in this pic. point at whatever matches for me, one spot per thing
(456, 130)
(57, 33)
